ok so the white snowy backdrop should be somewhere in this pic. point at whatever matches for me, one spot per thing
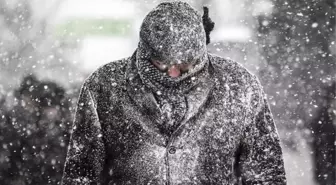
(47, 49)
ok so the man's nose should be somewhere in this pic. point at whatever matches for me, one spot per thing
(174, 71)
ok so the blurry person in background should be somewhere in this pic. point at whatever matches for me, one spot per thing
(35, 136)
(173, 113)
(3, 128)
(323, 132)
(20, 116)
(3, 111)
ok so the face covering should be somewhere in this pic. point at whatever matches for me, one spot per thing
(173, 34)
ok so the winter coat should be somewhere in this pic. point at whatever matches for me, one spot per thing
(228, 135)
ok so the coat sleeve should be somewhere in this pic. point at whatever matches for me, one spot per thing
(86, 153)
(261, 160)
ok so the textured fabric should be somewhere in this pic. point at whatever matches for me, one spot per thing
(174, 33)
(228, 134)
(171, 101)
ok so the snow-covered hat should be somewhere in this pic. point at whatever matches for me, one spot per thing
(173, 32)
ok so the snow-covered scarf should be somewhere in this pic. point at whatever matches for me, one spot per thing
(172, 33)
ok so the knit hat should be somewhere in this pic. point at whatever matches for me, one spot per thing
(173, 33)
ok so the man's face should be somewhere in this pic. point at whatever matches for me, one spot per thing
(172, 70)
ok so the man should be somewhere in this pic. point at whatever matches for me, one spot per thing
(323, 128)
(173, 114)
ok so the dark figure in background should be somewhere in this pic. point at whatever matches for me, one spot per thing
(173, 114)
(3, 112)
(324, 139)
(35, 136)
(3, 124)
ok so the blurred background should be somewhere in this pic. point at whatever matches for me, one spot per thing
(48, 48)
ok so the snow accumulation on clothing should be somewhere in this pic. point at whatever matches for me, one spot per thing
(137, 125)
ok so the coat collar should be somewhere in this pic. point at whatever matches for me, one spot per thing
(144, 100)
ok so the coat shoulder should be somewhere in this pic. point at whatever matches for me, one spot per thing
(229, 71)
(107, 76)
(232, 76)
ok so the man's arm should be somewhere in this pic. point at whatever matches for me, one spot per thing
(261, 160)
(86, 153)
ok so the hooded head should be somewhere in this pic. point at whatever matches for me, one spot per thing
(173, 34)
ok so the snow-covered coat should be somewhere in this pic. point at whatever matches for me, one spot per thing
(136, 125)
(227, 136)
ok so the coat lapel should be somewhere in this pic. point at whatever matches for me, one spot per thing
(143, 108)
(196, 99)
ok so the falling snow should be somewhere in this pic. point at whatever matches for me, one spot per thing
(252, 102)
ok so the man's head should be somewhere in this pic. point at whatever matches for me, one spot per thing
(172, 38)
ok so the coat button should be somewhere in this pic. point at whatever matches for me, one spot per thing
(172, 150)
